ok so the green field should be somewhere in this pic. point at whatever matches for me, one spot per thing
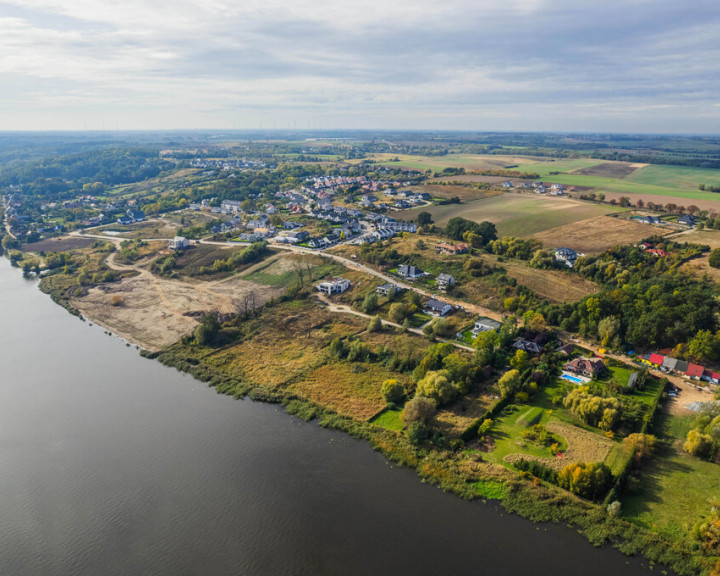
(518, 214)
(675, 488)
(390, 420)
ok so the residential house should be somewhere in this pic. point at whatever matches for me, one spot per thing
(178, 243)
(657, 252)
(507, 184)
(436, 307)
(484, 324)
(384, 289)
(566, 349)
(298, 235)
(124, 220)
(409, 272)
(556, 190)
(334, 286)
(709, 376)
(567, 256)
(136, 215)
(453, 249)
(651, 220)
(687, 220)
(527, 346)
(589, 367)
(444, 281)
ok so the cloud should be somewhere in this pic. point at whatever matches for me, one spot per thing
(423, 64)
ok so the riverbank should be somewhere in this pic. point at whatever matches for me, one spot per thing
(278, 355)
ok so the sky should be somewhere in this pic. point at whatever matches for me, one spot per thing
(514, 65)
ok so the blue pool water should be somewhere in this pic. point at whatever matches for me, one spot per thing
(571, 378)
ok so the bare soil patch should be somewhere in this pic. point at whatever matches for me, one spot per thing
(155, 312)
(608, 170)
(464, 193)
(688, 394)
(62, 244)
(595, 234)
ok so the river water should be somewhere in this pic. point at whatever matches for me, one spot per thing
(114, 464)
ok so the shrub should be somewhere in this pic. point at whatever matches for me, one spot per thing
(436, 385)
(419, 409)
(589, 480)
(714, 258)
(393, 391)
(698, 444)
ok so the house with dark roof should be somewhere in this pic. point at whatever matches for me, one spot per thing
(436, 307)
(687, 220)
(409, 272)
(681, 366)
(567, 256)
(527, 346)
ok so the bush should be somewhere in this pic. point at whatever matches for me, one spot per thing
(589, 480)
(714, 258)
(392, 391)
(698, 444)
(436, 385)
(419, 409)
(375, 324)
(416, 433)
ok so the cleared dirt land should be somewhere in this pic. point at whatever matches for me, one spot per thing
(595, 234)
(155, 312)
(59, 244)
(517, 214)
(464, 193)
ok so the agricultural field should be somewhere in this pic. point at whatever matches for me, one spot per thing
(150, 229)
(464, 193)
(518, 214)
(596, 234)
(656, 183)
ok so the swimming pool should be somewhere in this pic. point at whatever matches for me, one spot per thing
(574, 379)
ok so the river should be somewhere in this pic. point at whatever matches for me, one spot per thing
(114, 464)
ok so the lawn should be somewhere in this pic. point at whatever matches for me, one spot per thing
(663, 500)
(390, 420)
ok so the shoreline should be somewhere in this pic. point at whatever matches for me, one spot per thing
(538, 503)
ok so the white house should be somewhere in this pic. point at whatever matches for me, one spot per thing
(444, 281)
(484, 324)
(567, 256)
(178, 243)
(334, 286)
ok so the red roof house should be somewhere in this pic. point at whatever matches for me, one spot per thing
(656, 359)
(694, 371)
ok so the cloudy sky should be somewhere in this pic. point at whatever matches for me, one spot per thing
(582, 65)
